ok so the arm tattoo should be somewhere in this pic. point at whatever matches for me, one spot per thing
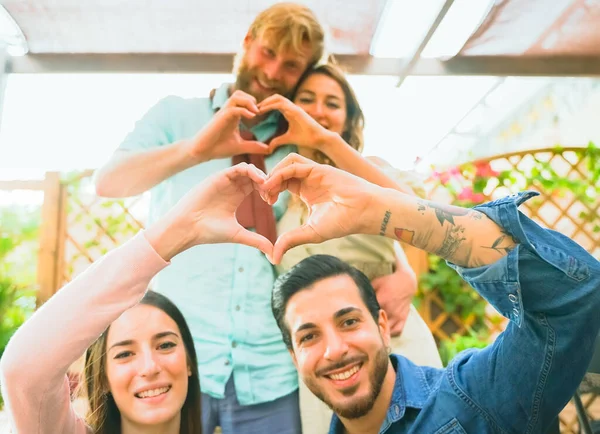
(452, 241)
(444, 212)
(497, 245)
(384, 223)
(404, 235)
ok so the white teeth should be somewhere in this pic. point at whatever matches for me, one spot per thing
(263, 84)
(346, 374)
(153, 392)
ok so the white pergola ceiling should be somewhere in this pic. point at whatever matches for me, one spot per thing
(175, 26)
(518, 38)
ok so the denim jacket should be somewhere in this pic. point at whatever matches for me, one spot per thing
(549, 289)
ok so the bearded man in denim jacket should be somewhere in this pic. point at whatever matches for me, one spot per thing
(543, 282)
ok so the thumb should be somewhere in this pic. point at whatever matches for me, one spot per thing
(377, 282)
(302, 235)
(397, 328)
(255, 147)
(255, 240)
(278, 141)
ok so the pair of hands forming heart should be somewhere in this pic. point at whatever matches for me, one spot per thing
(339, 203)
(221, 137)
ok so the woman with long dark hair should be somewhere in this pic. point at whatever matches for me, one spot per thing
(140, 367)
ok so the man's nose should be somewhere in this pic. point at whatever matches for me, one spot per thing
(336, 347)
(273, 70)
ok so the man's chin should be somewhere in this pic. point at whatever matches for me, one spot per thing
(351, 403)
(352, 408)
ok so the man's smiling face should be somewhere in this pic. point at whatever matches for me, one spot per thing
(340, 351)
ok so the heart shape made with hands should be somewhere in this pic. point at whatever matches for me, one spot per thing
(333, 198)
(339, 204)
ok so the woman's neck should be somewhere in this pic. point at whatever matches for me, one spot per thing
(172, 426)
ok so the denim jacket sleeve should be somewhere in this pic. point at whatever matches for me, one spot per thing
(549, 289)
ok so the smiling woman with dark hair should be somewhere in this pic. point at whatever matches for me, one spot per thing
(154, 323)
(140, 367)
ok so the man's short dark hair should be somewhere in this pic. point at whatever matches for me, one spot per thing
(310, 271)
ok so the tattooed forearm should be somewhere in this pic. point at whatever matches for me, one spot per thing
(463, 236)
(452, 242)
(384, 223)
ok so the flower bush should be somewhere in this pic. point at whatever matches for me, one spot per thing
(471, 184)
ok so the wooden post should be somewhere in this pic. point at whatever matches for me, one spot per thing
(61, 239)
(49, 236)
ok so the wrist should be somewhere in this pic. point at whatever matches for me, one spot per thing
(168, 237)
(382, 210)
(327, 141)
(194, 150)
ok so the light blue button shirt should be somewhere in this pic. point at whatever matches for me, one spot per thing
(223, 290)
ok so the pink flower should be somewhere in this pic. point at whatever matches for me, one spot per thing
(454, 172)
(444, 177)
(465, 194)
(484, 170)
(478, 198)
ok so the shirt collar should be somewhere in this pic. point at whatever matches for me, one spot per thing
(221, 96)
(411, 389)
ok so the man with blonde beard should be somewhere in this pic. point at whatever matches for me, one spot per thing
(248, 380)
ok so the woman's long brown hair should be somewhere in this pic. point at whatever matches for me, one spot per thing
(103, 414)
(355, 119)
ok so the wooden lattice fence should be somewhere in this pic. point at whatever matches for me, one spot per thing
(573, 212)
(95, 225)
(569, 202)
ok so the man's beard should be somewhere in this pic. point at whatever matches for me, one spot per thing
(359, 407)
(244, 79)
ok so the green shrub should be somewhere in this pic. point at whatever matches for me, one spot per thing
(18, 259)
(457, 343)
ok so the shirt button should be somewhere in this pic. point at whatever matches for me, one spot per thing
(234, 344)
(241, 269)
(237, 307)
(227, 362)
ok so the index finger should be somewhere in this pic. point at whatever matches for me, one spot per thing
(276, 102)
(248, 170)
(272, 99)
(242, 99)
(292, 158)
(281, 176)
